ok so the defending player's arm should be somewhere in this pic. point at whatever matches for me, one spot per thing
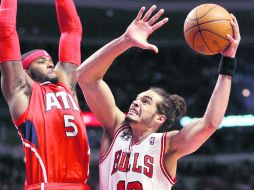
(194, 134)
(16, 84)
(91, 72)
(70, 42)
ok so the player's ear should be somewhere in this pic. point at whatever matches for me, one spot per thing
(160, 118)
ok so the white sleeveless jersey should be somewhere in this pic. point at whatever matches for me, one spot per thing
(135, 167)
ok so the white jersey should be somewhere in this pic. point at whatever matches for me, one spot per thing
(135, 167)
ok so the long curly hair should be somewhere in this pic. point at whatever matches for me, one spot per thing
(172, 106)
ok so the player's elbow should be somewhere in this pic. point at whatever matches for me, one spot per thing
(78, 30)
(77, 27)
(212, 124)
(83, 75)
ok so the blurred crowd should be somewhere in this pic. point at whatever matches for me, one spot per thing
(225, 162)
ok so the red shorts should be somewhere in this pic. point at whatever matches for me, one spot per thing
(58, 186)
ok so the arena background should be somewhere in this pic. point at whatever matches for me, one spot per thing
(226, 160)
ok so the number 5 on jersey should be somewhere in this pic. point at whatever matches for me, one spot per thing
(69, 123)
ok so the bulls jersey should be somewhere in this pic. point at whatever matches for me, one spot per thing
(54, 139)
(134, 167)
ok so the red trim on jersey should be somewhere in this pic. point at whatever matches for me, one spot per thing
(58, 186)
(114, 138)
(20, 120)
(37, 155)
(23, 116)
(163, 168)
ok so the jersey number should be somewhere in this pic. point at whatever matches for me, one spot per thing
(69, 123)
(135, 185)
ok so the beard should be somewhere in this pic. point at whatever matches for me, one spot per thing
(129, 120)
(41, 78)
(147, 121)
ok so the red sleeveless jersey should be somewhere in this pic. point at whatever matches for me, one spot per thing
(54, 138)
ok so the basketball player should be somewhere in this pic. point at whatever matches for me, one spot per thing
(134, 153)
(43, 108)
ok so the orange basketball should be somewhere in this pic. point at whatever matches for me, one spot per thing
(206, 28)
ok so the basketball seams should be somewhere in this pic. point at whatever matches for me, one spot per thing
(192, 19)
(195, 19)
(205, 41)
(213, 33)
(205, 12)
(193, 39)
(200, 33)
(205, 29)
(216, 20)
(207, 22)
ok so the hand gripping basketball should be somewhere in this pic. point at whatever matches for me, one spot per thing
(206, 28)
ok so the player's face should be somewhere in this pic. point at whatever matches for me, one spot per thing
(144, 109)
(42, 70)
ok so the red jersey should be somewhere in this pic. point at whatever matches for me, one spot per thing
(54, 138)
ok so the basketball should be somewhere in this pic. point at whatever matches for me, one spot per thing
(206, 28)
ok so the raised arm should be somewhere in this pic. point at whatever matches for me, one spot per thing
(70, 42)
(194, 134)
(90, 73)
(15, 83)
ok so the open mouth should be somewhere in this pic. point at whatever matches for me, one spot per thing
(133, 111)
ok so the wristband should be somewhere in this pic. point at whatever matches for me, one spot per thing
(9, 42)
(71, 32)
(227, 66)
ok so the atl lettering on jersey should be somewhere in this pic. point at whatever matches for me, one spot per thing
(51, 101)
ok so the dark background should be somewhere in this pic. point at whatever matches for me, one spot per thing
(225, 161)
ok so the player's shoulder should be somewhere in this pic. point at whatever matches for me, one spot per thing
(169, 139)
(125, 129)
(171, 134)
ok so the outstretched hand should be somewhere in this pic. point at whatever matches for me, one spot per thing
(230, 51)
(143, 26)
